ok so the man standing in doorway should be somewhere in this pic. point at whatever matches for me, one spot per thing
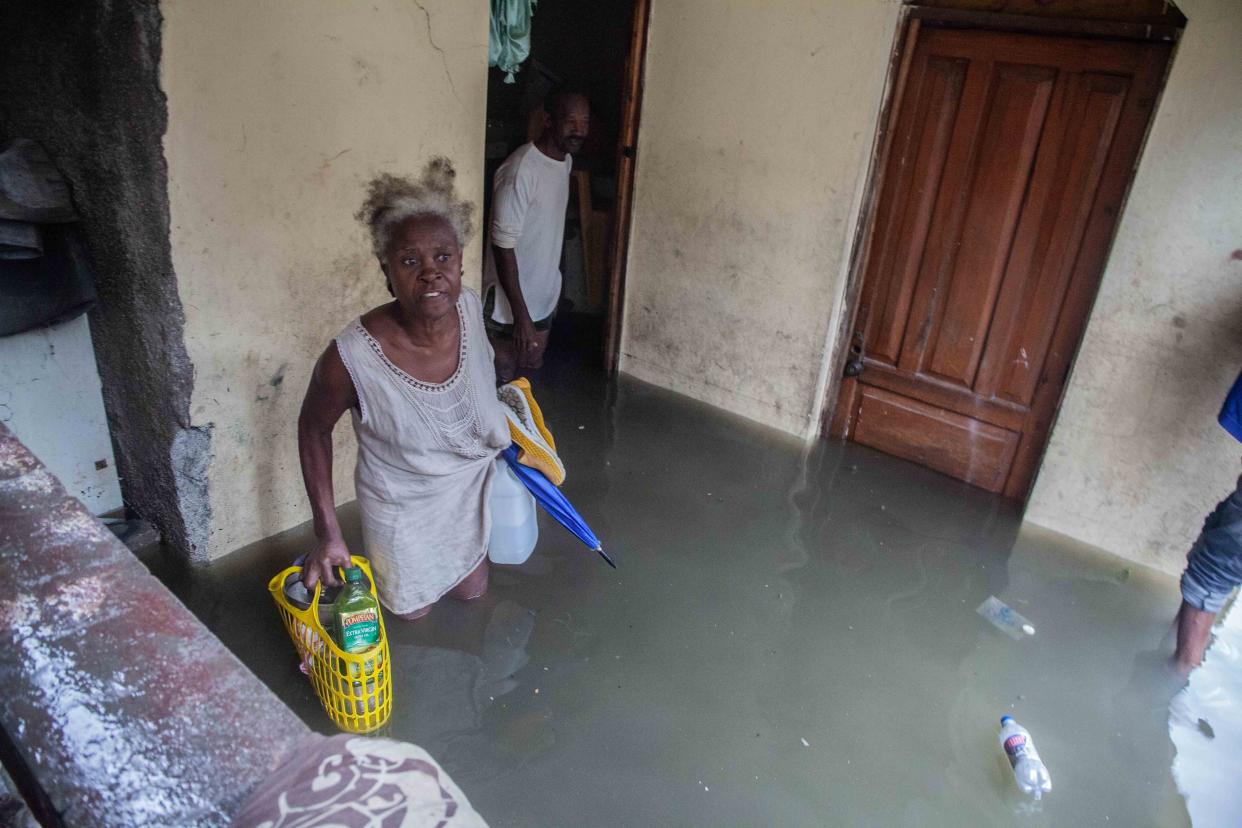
(522, 268)
(1214, 565)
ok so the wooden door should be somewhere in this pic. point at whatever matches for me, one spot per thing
(1009, 160)
(627, 153)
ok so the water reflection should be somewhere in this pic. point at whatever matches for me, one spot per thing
(446, 692)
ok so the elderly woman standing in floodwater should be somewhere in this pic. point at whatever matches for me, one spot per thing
(418, 380)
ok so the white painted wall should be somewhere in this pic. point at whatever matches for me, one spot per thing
(279, 112)
(1136, 459)
(757, 123)
(50, 398)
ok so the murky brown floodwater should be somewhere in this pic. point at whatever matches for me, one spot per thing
(791, 639)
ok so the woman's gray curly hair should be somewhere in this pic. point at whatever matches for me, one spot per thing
(392, 199)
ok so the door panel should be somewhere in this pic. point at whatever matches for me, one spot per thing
(627, 147)
(1039, 268)
(961, 447)
(928, 128)
(1007, 147)
(1000, 194)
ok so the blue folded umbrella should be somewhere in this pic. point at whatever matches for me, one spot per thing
(555, 503)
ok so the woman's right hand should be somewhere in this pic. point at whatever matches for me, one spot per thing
(321, 563)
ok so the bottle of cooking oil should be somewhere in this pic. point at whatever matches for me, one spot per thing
(355, 615)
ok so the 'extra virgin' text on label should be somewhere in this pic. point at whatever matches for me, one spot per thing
(359, 629)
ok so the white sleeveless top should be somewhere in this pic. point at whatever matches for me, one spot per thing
(426, 455)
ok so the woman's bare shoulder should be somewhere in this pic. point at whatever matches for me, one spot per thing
(330, 369)
(380, 314)
(331, 389)
(378, 321)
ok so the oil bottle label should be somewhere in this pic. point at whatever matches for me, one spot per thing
(359, 629)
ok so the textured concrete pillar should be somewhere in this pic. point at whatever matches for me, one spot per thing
(83, 79)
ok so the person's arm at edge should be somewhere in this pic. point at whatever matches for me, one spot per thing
(507, 276)
(328, 396)
(511, 197)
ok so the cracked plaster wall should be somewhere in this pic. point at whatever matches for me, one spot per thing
(757, 124)
(1136, 459)
(279, 113)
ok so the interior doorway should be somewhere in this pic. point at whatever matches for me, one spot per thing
(1008, 157)
(597, 49)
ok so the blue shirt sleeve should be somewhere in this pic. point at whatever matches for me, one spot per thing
(1231, 412)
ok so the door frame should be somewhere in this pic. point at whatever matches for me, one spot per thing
(627, 158)
(841, 389)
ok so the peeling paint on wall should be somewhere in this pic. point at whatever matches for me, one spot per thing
(191, 458)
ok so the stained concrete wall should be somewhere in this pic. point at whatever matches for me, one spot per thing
(82, 78)
(1136, 460)
(757, 124)
(279, 112)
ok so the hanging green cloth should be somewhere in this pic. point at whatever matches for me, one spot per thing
(509, 43)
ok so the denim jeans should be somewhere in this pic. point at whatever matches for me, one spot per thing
(1214, 566)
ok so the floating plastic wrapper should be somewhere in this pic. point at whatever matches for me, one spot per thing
(1005, 618)
(355, 689)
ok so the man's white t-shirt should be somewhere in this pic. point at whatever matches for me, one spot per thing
(529, 197)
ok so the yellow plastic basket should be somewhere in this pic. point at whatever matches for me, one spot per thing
(354, 688)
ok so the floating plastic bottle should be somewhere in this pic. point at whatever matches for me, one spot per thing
(515, 526)
(1028, 769)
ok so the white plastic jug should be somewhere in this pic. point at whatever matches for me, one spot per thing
(515, 529)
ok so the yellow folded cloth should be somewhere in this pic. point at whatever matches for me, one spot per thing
(530, 434)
